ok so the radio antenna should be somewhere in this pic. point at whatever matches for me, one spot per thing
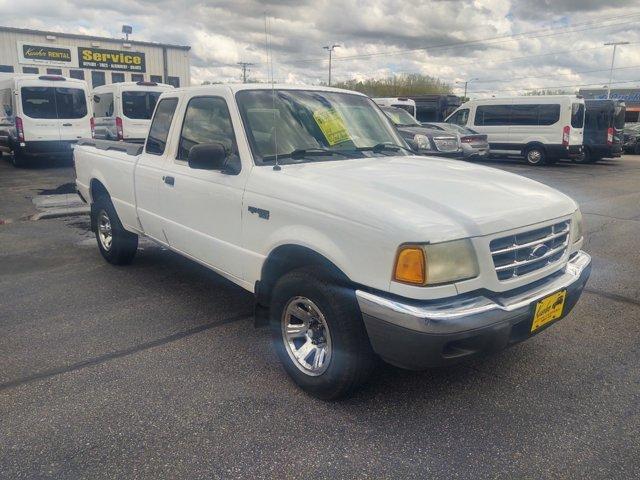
(267, 39)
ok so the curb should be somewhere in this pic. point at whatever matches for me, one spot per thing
(61, 212)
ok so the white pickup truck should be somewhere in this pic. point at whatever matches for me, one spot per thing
(355, 248)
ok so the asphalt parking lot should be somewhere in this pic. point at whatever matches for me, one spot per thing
(155, 370)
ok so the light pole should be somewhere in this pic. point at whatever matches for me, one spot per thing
(330, 48)
(613, 59)
(466, 82)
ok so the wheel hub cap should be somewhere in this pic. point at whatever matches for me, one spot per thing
(306, 336)
(104, 230)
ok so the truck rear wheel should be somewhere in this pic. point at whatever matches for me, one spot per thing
(116, 245)
(318, 334)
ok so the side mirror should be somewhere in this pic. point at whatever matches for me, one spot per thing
(207, 156)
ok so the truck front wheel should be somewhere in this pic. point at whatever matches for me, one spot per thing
(116, 245)
(319, 336)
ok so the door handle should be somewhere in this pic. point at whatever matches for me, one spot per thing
(169, 180)
(66, 124)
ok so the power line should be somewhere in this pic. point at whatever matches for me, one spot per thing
(594, 24)
(245, 66)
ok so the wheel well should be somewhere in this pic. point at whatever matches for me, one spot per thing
(286, 258)
(97, 189)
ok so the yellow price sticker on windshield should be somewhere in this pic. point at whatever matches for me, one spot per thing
(331, 125)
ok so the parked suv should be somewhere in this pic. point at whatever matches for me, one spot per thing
(424, 140)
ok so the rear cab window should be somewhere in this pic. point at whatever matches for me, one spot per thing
(139, 105)
(160, 126)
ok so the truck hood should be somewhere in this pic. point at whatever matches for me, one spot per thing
(429, 198)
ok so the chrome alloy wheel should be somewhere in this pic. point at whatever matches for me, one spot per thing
(534, 156)
(104, 230)
(306, 336)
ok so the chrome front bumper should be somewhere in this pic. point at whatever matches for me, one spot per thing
(436, 324)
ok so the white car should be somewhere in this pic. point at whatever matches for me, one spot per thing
(353, 247)
(42, 115)
(542, 129)
(122, 111)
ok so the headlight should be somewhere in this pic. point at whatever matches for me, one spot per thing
(576, 227)
(437, 263)
(422, 142)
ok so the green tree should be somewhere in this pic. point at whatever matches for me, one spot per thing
(397, 85)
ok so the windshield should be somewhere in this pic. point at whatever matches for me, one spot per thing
(295, 121)
(139, 105)
(50, 102)
(401, 117)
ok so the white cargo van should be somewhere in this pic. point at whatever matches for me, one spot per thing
(42, 115)
(122, 111)
(542, 129)
(403, 103)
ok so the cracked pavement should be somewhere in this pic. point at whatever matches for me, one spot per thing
(156, 371)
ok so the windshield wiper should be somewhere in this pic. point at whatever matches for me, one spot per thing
(381, 147)
(300, 153)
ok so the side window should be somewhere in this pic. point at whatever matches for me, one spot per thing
(549, 114)
(160, 125)
(5, 103)
(103, 105)
(524, 114)
(207, 120)
(492, 115)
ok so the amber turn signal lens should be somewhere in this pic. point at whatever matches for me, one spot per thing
(410, 266)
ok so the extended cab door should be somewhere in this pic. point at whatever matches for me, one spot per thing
(203, 207)
(149, 174)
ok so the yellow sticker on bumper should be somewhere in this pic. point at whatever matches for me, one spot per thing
(331, 125)
(548, 309)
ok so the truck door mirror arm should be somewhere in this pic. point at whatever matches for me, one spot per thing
(207, 156)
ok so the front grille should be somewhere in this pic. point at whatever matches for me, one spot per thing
(446, 144)
(526, 252)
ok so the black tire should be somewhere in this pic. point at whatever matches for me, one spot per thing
(19, 159)
(586, 157)
(351, 358)
(123, 245)
(535, 156)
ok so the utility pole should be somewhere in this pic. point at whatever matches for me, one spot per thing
(330, 48)
(244, 66)
(613, 59)
(467, 82)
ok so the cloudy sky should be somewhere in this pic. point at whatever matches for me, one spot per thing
(506, 46)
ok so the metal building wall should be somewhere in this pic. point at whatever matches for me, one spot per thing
(178, 59)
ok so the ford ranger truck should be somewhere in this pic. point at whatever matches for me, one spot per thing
(355, 248)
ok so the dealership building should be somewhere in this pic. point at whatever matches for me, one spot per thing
(97, 60)
(630, 96)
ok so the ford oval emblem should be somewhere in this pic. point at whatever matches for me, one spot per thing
(539, 251)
